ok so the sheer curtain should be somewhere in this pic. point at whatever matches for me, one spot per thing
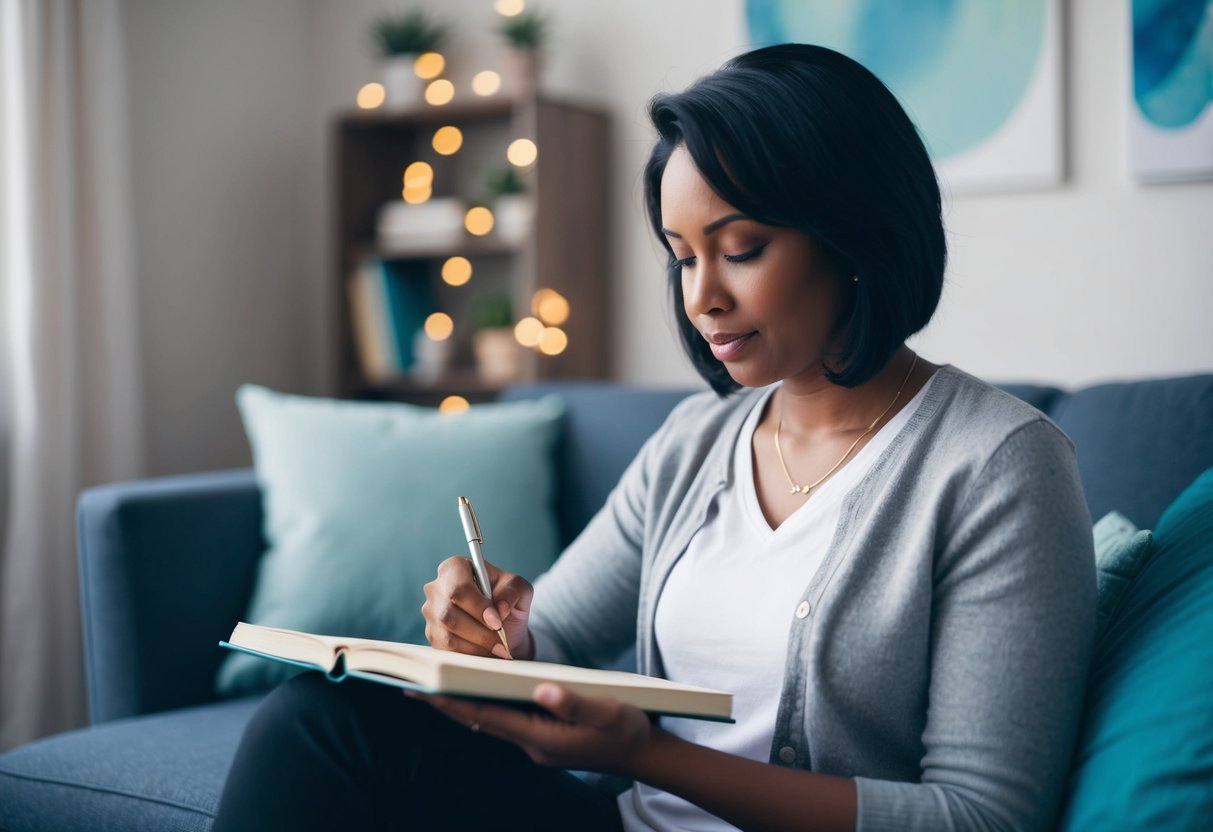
(71, 398)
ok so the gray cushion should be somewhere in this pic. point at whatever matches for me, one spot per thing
(164, 771)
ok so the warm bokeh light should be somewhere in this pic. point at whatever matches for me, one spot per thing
(528, 332)
(550, 306)
(447, 140)
(439, 326)
(522, 152)
(439, 92)
(429, 65)
(486, 83)
(418, 195)
(453, 404)
(553, 341)
(478, 221)
(457, 271)
(371, 96)
(509, 8)
(418, 175)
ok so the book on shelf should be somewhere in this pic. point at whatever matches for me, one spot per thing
(389, 301)
(418, 667)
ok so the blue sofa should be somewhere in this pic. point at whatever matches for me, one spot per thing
(167, 567)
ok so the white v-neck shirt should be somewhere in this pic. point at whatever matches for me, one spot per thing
(723, 617)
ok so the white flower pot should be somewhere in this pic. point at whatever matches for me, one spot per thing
(402, 88)
(498, 355)
(514, 214)
(519, 73)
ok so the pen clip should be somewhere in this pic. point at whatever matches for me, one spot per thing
(471, 527)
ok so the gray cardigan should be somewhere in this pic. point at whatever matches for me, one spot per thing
(944, 657)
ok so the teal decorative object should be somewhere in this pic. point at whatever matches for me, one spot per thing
(360, 503)
(1121, 550)
(1145, 756)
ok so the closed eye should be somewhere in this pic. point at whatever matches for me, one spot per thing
(748, 255)
(685, 261)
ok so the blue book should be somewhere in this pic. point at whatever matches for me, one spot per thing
(409, 300)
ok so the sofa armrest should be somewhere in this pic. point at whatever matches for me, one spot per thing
(166, 568)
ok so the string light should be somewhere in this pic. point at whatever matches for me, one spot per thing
(429, 65)
(439, 92)
(550, 306)
(457, 271)
(553, 341)
(528, 332)
(447, 140)
(486, 82)
(522, 152)
(416, 196)
(439, 326)
(418, 175)
(371, 96)
(453, 404)
(478, 221)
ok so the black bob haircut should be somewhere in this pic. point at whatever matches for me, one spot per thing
(804, 137)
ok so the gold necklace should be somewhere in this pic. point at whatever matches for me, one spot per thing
(805, 489)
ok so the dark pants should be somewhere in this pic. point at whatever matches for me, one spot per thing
(357, 755)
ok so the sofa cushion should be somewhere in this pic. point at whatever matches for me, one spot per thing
(605, 425)
(163, 771)
(1139, 443)
(1145, 757)
(361, 507)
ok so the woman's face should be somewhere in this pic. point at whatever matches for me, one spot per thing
(764, 297)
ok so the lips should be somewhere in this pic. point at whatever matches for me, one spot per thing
(726, 345)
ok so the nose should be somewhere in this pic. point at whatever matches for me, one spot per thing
(703, 292)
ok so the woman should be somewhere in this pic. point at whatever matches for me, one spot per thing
(887, 561)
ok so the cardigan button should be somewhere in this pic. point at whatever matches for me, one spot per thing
(802, 611)
(787, 754)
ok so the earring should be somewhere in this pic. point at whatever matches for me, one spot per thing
(855, 279)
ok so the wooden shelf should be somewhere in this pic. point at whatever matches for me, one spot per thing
(567, 249)
(465, 110)
(467, 247)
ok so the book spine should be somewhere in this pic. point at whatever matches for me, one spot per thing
(367, 313)
(409, 302)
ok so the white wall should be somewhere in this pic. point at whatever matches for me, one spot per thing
(1097, 279)
(217, 127)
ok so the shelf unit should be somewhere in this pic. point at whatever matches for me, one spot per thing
(566, 250)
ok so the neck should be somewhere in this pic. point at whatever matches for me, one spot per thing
(815, 405)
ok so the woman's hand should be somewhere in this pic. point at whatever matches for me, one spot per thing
(459, 618)
(588, 733)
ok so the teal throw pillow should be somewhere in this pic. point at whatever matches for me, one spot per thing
(1145, 755)
(1121, 549)
(360, 507)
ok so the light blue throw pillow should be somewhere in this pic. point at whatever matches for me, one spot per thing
(1145, 756)
(1121, 549)
(360, 507)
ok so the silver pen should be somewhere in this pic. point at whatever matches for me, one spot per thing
(475, 538)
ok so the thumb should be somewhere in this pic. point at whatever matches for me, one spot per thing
(557, 700)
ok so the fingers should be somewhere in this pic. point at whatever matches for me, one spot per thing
(454, 611)
(459, 617)
(567, 706)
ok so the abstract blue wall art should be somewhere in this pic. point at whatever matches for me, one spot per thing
(980, 78)
(1170, 117)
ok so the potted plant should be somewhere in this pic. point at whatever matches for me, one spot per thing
(498, 356)
(525, 35)
(512, 208)
(400, 38)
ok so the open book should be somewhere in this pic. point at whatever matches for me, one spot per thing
(440, 671)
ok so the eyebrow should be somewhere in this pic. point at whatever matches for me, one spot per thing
(711, 227)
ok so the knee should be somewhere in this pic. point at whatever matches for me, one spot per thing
(301, 704)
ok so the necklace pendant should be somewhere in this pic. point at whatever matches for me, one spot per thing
(797, 489)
